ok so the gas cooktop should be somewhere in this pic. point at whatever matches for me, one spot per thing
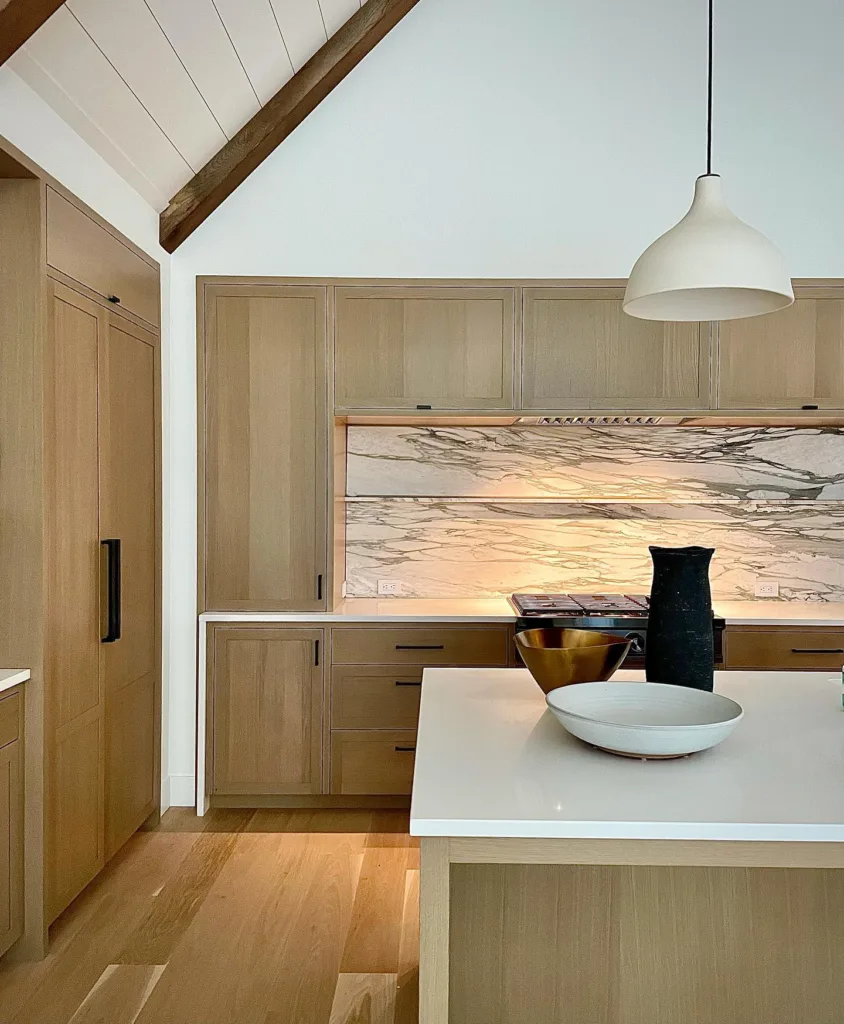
(633, 605)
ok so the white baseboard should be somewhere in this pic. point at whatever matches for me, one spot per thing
(182, 790)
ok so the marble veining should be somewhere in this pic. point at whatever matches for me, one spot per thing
(591, 463)
(469, 512)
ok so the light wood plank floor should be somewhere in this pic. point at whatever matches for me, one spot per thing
(240, 917)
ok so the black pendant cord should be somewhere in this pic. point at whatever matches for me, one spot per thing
(709, 97)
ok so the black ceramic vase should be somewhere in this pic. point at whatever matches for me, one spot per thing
(680, 647)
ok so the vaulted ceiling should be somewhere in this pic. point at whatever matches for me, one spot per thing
(158, 87)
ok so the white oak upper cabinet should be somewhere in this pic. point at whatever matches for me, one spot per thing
(424, 347)
(791, 359)
(581, 351)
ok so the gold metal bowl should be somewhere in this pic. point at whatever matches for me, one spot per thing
(556, 657)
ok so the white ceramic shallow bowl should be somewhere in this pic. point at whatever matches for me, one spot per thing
(645, 719)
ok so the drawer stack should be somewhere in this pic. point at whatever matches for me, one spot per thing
(376, 680)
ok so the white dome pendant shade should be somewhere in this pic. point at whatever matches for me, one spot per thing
(709, 266)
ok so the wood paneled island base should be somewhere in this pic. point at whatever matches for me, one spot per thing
(507, 938)
(562, 885)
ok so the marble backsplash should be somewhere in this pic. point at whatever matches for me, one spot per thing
(462, 511)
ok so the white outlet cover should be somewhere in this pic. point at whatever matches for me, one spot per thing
(766, 588)
(389, 587)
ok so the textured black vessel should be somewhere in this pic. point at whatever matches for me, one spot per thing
(681, 647)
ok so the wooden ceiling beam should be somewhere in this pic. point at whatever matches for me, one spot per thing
(19, 19)
(277, 119)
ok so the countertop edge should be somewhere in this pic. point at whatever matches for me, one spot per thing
(429, 828)
(11, 677)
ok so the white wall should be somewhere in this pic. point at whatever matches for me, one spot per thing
(31, 125)
(492, 138)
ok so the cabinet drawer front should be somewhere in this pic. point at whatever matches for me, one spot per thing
(414, 645)
(367, 698)
(374, 763)
(785, 649)
(79, 247)
(9, 718)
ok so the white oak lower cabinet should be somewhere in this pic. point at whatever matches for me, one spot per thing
(787, 649)
(309, 711)
(11, 818)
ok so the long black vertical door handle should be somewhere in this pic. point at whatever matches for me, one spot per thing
(319, 587)
(112, 547)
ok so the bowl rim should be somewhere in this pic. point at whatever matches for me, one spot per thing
(734, 719)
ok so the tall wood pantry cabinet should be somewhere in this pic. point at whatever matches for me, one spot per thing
(80, 537)
(263, 447)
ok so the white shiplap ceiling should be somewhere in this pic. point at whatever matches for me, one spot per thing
(157, 87)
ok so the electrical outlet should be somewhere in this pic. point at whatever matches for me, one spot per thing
(766, 588)
(391, 587)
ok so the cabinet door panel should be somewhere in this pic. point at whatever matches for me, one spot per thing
(784, 360)
(265, 443)
(131, 741)
(268, 697)
(581, 351)
(74, 697)
(128, 512)
(448, 348)
(11, 845)
(75, 850)
(72, 510)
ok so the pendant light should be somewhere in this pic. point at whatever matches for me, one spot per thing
(711, 265)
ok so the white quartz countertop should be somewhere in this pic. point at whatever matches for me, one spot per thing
(498, 609)
(491, 761)
(10, 677)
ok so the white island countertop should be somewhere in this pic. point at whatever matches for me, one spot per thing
(10, 677)
(493, 762)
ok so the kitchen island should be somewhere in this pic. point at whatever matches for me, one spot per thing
(560, 883)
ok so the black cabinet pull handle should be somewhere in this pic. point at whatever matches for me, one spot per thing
(319, 587)
(817, 650)
(112, 547)
(405, 750)
(115, 299)
(423, 407)
(420, 647)
(316, 652)
(407, 682)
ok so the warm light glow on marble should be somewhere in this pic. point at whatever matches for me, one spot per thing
(468, 512)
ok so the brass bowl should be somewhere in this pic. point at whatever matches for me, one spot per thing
(556, 657)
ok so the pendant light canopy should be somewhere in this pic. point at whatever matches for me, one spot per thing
(711, 265)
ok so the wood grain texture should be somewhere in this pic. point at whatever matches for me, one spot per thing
(84, 250)
(364, 697)
(179, 901)
(699, 853)
(20, 19)
(581, 351)
(785, 649)
(434, 931)
(263, 447)
(266, 943)
(119, 994)
(268, 696)
(364, 999)
(374, 939)
(75, 699)
(792, 358)
(22, 506)
(644, 945)
(376, 761)
(445, 348)
(129, 492)
(271, 125)
(415, 644)
(11, 836)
